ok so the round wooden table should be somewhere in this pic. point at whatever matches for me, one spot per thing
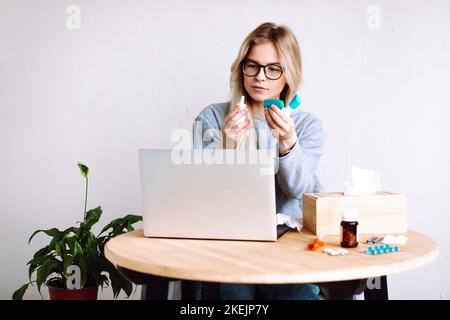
(287, 260)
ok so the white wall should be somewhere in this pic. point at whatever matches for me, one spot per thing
(137, 70)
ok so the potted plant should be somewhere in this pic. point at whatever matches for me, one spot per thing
(73, 264)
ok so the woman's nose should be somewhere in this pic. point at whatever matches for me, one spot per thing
(260, 75)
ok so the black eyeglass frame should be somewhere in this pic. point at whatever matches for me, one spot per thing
(259, 69)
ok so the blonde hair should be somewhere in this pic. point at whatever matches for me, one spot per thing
(289, 52)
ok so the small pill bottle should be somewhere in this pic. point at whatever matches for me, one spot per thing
(349, 229)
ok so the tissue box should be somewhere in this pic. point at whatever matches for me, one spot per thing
(383, 212)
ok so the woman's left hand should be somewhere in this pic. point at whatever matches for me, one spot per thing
(284, 127)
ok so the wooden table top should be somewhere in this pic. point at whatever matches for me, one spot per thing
(287, 260)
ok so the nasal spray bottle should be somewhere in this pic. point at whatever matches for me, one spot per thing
(242, 106)
(295, 102)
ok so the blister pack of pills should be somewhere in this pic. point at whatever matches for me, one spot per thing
(374, 250)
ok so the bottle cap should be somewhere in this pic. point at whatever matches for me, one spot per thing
(349, 215)
(295, 102)
(242, 106)
(242, 103)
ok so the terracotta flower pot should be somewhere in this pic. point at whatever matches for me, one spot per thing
(89, 293)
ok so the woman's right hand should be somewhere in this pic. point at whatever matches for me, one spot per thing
(232, 131)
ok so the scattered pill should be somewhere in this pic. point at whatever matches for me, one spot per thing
(335, 252)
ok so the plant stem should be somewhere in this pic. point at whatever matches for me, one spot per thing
(85, 200)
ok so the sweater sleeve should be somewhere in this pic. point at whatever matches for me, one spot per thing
(206, 130)
(296, 170)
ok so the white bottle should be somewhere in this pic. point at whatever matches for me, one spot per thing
(242, 106)
(287, 110)
(296, 101)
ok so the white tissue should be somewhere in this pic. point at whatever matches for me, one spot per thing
(391, 239)
(363, 182)
(290, 221)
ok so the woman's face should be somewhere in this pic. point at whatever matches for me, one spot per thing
(260, 87)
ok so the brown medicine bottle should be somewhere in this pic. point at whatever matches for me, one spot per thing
(349, 229)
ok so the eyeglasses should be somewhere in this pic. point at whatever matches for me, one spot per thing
(272, 71)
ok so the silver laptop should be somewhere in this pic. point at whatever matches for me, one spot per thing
(208, 194)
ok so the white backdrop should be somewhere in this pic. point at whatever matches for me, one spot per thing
(376, 73)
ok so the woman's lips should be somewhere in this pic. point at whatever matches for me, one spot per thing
(257, 88)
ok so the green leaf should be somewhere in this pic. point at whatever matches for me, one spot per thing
(118, 282)
(42, 252)
(58, 248)
(53, 232)
(104, 280)
(57, 241)
(132, 218)
(36, 262)
(77, 249)
(18, 294)
(92, 217)
(68, 261)
(91, 241)
(71, 244)
(69, 230)
(84, 270)
(84, 169)
(46, 269)
(118, 225)
(112, 224)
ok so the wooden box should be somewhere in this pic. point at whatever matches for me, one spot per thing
(384, 212)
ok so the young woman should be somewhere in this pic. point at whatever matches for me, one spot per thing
(268, 66)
